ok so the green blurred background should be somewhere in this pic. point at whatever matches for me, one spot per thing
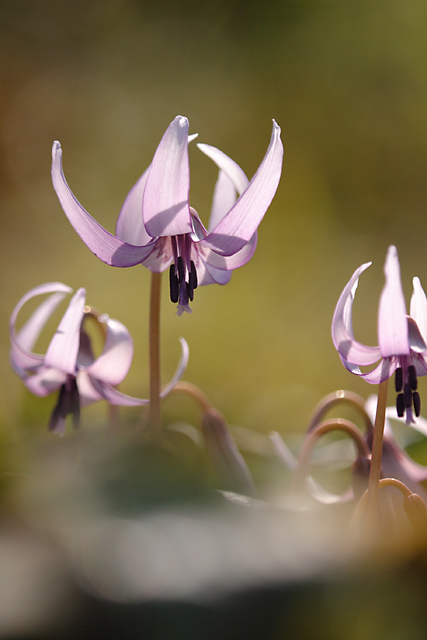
(347, 82)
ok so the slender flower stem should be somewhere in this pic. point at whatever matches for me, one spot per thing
(194, 392)
(321, 429)
(377, 451)
(340, 397)
(154, 338)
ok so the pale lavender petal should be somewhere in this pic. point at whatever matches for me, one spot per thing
(113, 396)
(418, 308)
(416, 341)
(87, 392)
(218, 276)
(130, 226)
(420, 363)
(182, 365)
(228, 263)
(349, 349)
(64, 346)
(382, 372)
(241, 222)
(113, 364)
(161, 256)
(227, 165)
(223, 199)
(23, 341)
(392, 323)
(45, 381)
(165, 207)
(103, 244)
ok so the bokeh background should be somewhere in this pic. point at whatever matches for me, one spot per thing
(347, 82)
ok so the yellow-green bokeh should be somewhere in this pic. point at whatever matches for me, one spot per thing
(347, 82)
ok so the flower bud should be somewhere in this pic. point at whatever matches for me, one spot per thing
(416, 510)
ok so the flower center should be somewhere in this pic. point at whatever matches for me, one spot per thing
(182, 272)
(406, 384)
(68, 404)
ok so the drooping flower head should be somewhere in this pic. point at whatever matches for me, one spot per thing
(402, 339)
(69, 365)
(158, 228)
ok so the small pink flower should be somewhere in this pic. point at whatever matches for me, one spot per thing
(69, 364)
(402, 338)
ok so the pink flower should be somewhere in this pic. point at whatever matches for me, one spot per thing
(69, 364)
(402, 338)
(157, 227)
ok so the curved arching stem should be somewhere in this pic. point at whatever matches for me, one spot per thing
(340, 397)
(317, 432)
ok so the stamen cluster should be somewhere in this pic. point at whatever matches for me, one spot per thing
(182, 272)
(406, 385)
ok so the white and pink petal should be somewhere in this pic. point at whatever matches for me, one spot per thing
(236, 229)
(113, 364)
(23, 341)
(350, 350)
(64, 346)
(103, 244)
(165, 205)
(392, 317)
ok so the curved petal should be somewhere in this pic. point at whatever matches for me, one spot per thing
(228, 263)
(239, 225)
(382, 371)
(349, 349)
(87, 392)
(418, 308)
(416, 341)
(113, 364)
(182, 365)
(215, 276)
(62, 351)
(130, 226)
(23, 341)
(113, 396)
(45, 381)
(103, 244)
(223, 199)
(420, 363)
(165, 207)
(232, 170)
(392, 322)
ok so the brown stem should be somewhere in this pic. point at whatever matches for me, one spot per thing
(154, 350)
(320, 430)
(377, 450)
(340, 397)
(194, 392)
